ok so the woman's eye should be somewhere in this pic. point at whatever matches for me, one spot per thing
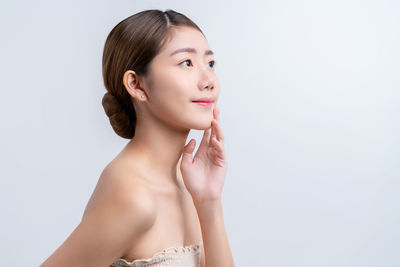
(213, 63)
(186, 61)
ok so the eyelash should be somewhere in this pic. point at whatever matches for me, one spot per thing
(213, 61)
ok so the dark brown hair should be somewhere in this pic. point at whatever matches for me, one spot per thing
(131, 45)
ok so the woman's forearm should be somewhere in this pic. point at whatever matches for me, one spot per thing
(215, 241)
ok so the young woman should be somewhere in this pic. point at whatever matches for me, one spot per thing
(151, 207)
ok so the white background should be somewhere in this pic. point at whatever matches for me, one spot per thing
(309, 108)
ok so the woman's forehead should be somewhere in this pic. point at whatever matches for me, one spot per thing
(183, 38)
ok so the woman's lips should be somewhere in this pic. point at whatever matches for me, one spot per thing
(203, 103)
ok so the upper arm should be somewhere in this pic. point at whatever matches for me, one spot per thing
(107, 231)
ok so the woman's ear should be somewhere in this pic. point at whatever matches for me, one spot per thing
(133, 85)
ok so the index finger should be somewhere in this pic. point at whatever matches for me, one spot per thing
(216, 113)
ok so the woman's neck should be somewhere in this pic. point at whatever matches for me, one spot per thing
(157, 149)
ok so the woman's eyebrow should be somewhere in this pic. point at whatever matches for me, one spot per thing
(190, 50)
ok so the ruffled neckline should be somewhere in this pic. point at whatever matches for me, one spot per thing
(179, 250)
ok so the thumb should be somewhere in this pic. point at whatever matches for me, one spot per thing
(188, 151)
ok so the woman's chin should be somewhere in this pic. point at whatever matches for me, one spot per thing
(202, 126)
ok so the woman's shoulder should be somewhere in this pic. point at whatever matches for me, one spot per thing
(121, 184)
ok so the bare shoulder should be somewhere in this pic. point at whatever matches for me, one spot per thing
(121, 211)
(120, 183)
(122, 186)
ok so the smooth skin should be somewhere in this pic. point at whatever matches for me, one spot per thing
(147, 199)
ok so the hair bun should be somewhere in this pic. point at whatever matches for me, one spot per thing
(117, 115)
(111, 105)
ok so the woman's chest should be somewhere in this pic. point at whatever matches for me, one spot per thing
(176, 225)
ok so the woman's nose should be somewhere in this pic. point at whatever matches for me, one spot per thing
(207, 84)
(207, 80)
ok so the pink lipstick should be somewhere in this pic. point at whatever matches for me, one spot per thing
(204, 103)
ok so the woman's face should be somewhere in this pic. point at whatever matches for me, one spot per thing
(175, 80)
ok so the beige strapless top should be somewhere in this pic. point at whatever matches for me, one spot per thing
(186, 256)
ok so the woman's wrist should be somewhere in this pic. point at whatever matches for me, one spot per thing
(209, 209)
